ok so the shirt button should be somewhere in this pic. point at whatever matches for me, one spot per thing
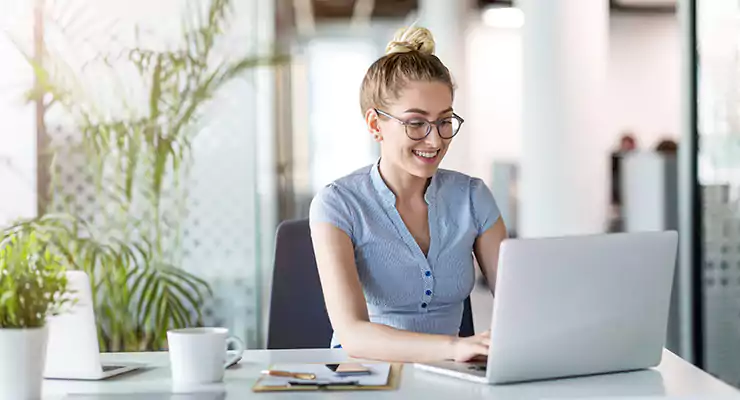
(428, 292)
(423, 305)
(428, 273)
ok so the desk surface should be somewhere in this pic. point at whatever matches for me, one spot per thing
(674, 377)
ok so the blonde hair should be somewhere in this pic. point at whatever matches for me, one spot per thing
(408, 57)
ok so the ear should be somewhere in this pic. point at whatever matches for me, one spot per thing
(373, 124)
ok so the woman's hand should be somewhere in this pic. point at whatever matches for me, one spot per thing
(471, 348)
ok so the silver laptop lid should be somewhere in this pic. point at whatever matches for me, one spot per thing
(580, 305)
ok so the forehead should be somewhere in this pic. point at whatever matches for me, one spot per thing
(433, 97)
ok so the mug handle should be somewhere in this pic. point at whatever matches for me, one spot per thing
(237, 352)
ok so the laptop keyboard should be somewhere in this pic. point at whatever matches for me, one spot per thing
(107, 368)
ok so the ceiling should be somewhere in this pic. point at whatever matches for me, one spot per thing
(345, 9)
(333, 9)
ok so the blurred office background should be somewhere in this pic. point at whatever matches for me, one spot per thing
(583, 116)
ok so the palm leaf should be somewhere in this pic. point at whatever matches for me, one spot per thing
(145, 297)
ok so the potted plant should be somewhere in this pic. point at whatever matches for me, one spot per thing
(33, 286)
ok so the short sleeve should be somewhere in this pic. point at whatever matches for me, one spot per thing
(485, 209)
(329, 206)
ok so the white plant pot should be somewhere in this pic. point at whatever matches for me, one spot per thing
(22, 359)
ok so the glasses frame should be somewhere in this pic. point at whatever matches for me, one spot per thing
(436, 123)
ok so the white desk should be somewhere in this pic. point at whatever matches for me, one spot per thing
(674, 377)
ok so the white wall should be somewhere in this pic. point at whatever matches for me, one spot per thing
(644, 76)
(339, 141)
(495, 97)
(18, 128)
(642, 86)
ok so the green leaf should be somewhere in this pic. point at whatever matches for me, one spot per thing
(193, 303)
(192, 280)
(162, 313)
(180, 315)
(151, 299)
(145, 295)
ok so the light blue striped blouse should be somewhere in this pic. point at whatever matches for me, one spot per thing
(403, 288)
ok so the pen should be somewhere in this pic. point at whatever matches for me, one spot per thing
(288, 374)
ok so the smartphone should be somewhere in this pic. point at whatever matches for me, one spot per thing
(349, 369)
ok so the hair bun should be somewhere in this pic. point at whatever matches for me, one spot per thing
(411, 39)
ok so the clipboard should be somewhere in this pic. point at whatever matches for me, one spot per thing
(394, 377)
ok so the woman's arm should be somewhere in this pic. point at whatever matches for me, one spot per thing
(347, 310)
(486, 249)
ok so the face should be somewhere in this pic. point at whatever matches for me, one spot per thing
(418, 102)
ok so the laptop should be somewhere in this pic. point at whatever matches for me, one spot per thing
(72, 350)
(575, 306)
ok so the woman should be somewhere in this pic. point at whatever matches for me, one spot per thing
(394, 241)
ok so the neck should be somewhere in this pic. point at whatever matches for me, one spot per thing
(405, 186)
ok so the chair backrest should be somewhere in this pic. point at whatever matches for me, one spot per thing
(298, 318)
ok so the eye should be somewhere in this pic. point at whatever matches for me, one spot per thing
(416, 124)
(446, 121)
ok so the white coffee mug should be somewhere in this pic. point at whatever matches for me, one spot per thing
(198, 355)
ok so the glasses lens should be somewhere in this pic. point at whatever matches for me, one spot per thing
(417, 129)
(448, 127)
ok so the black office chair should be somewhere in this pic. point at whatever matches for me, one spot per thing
(298, 318)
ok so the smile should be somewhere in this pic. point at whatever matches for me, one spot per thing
(426, 154)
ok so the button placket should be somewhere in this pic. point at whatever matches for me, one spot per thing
(427, 291)
(428, 276)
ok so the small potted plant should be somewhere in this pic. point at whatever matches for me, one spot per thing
(33, 286)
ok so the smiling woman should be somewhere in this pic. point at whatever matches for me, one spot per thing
(394, 241)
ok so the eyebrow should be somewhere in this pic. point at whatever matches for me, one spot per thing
(423, 112)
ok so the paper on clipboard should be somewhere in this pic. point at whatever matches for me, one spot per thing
(379, 374)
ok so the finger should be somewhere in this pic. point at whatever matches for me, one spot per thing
(475, 354)
(480, 358)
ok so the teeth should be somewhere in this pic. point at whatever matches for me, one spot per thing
(426, 154)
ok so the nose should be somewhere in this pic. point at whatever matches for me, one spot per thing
(433, 139)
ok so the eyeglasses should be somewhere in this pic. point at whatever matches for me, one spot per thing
(418, 129)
